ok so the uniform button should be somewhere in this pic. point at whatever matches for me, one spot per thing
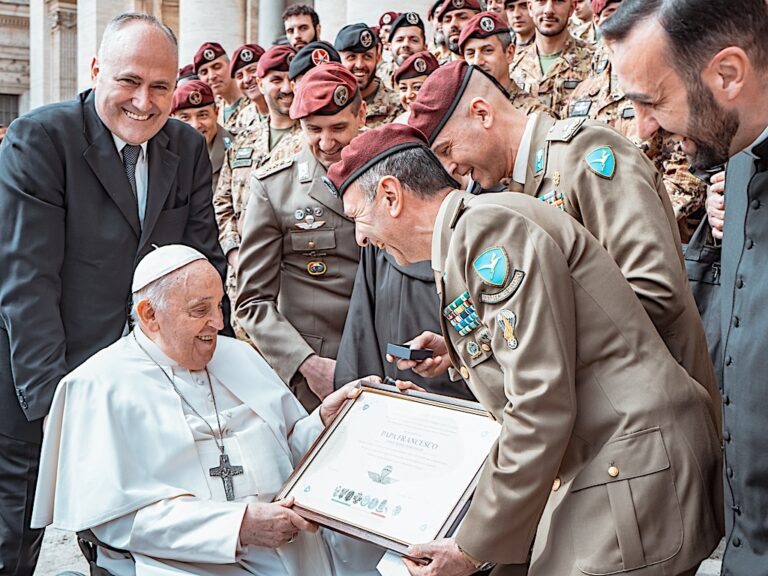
(750, 243)
(729, 470)
(464, 372)
(485, 347)
(739, 283)
(556, 485)
(613, 472)
(736, 321)
(755, 204)
(736, 541)
(729, 360)
(311, 244)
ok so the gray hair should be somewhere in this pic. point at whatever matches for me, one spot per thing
(417, 169)
(119, 22)
(156, 293)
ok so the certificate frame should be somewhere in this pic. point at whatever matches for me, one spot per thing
(448, 524)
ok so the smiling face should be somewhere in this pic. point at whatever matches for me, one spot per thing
(186, 327)
(663, 100)
(328, 135)
(362, 65)
(247, 80)
(407, 41)
(489, 55)
(409, 89)
(216, 74)
(134, 88)
(550, 17)
(519, 18)
(278, 92)
(453, 23)
(201, 119)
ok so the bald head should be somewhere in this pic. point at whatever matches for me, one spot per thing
(115, 35)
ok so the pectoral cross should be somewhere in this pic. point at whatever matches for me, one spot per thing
(226, 471)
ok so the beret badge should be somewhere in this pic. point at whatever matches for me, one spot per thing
(195, 98)
(340, 95)
(487, 24)
(209, 54)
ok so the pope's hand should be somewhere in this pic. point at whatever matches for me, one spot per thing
(319, 374)
(272, 525)
(336, 400)
(446, 559)
(431, 367)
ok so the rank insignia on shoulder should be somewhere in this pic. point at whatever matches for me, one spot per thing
(507, 292)
(602, 162)
(554, 198)
(492, 266)
(462, 315)
(304, 175)
(539, 160)
(507, 321)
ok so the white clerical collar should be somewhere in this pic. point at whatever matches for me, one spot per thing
(760, 140)
(521, 160)
(154, 351)
(120, 144)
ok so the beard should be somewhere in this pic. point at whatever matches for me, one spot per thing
(552, 31)
(710, 127)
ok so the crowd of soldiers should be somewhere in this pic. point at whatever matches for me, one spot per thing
(295, 274)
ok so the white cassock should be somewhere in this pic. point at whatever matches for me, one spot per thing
(124, 456)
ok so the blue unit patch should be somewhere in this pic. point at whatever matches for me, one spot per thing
(492, 267)
(462, 315)
(602, 162)
(539, 160)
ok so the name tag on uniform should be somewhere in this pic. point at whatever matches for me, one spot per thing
(571, 84)
(581, 108)
(244, 153)
(242, 163)
(628, 113)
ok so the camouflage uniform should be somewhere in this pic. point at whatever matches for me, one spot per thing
(600, 98)
(250, 152)
(526, 103)
(386, 73)
(231, 122)
(555, 88)
(246, 116)
(382, 107)
(585, 31)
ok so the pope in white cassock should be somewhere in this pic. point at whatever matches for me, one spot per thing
(172, 442)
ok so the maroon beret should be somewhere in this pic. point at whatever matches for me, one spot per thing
(208, 52)
(419, 64)
(276, 58)
(325, 90)
(438, 98)
(369, 148)
(599, 5)
(387, 18)
(451, 5)
(245, 55)
(482, 25)
(192, 94)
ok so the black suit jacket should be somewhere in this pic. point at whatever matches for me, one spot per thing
(70, 239)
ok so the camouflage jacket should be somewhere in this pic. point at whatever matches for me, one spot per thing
(585, 31)
(526, 103)
(555, 88)
(386, 72)
(600, 98)
(245, 116)
(383, 107)
(250, 151)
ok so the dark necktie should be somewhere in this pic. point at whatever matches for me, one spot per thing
(130, 159)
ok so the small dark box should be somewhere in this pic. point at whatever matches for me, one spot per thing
(406, 353)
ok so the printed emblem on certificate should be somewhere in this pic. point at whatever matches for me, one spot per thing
(394, 469)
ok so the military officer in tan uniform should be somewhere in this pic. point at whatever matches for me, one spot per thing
(555, 63)
(581, 167)
(599, 97)
(212, 67)
(486, 42)
(358, 46)
(194, 103)
(608, 460)
(244, 69)
(299, 258)
(272, 141)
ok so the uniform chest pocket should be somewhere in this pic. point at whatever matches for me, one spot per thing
(629, 495)
(313, 240)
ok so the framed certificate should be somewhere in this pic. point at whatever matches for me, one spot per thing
(394, 469)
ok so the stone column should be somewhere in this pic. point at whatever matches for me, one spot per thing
(62, 20)
(92, 17)
(201, 21)
(270, 21)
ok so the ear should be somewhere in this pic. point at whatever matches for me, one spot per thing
(94, 69)
(510, 53)
(260, 84)
(361, 114)
(480, 109)
(392, 194)
(726, 73)
(318, 31)
(147, 316)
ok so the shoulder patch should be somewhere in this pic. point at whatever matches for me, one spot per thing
(602, 162)
(492, 266)
(565, 130)
(270, 169)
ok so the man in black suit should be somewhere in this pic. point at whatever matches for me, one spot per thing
(699, 68)
(87, 187)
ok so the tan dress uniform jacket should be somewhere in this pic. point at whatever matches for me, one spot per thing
(555, 88)
(608, 461)
(296, 270)
(631, 216)
(218, 151)
(599, 97)
(382, 107)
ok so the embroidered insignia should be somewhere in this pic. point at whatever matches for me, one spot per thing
(310, 223)
(473, 350)
(487, 24)
(462, 315)
(244, 153)
(246, 55)
(320, 56)
(581, 108)
(317, 211)
(299, 214)
(602, 162)
(572, 128)
(387, 18)
(539, 160)
(628, 113)
(340, 95)
(458, 3)
(289, 58)
(304, 175)
(209, 54)
(195, 98)
(366, 39)
(554, 198)
(317, 268)
(556, 178)
(412, 18)
(507, 320)
(492, 267)
(419, 65)
(508, 291)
